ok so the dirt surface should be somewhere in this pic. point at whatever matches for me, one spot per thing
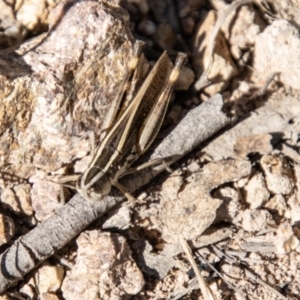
(234, 200)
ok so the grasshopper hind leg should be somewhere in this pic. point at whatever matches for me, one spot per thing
(124, 191)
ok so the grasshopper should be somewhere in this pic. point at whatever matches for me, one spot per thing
(135, 128)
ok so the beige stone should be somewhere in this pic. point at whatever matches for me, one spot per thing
(49, 278)
(104, 269)
(165, 37)
(282, 239)
(186, 78)
(288, 10)
(223, 67)
(256, 191)
(255, 220)
(45, 197)
(7, 229)
(231, 205)
(33, 14)
(293, 213)
(241, 28)
(18, 198)
(278, 204)
(278, 174)
(48, 296)
(277, 51)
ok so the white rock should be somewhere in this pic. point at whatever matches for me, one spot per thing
(256, 191)
(277, 50)
(255, 220)
(49, 278)
(277, 203)
(104, 269)
(278, 174)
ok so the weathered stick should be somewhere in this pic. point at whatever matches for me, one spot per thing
(40, 243)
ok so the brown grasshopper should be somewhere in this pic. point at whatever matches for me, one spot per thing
(134, 130)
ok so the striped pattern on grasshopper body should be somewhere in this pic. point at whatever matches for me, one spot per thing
(134, 130)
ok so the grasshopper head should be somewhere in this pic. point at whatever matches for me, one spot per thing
(93, 186)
